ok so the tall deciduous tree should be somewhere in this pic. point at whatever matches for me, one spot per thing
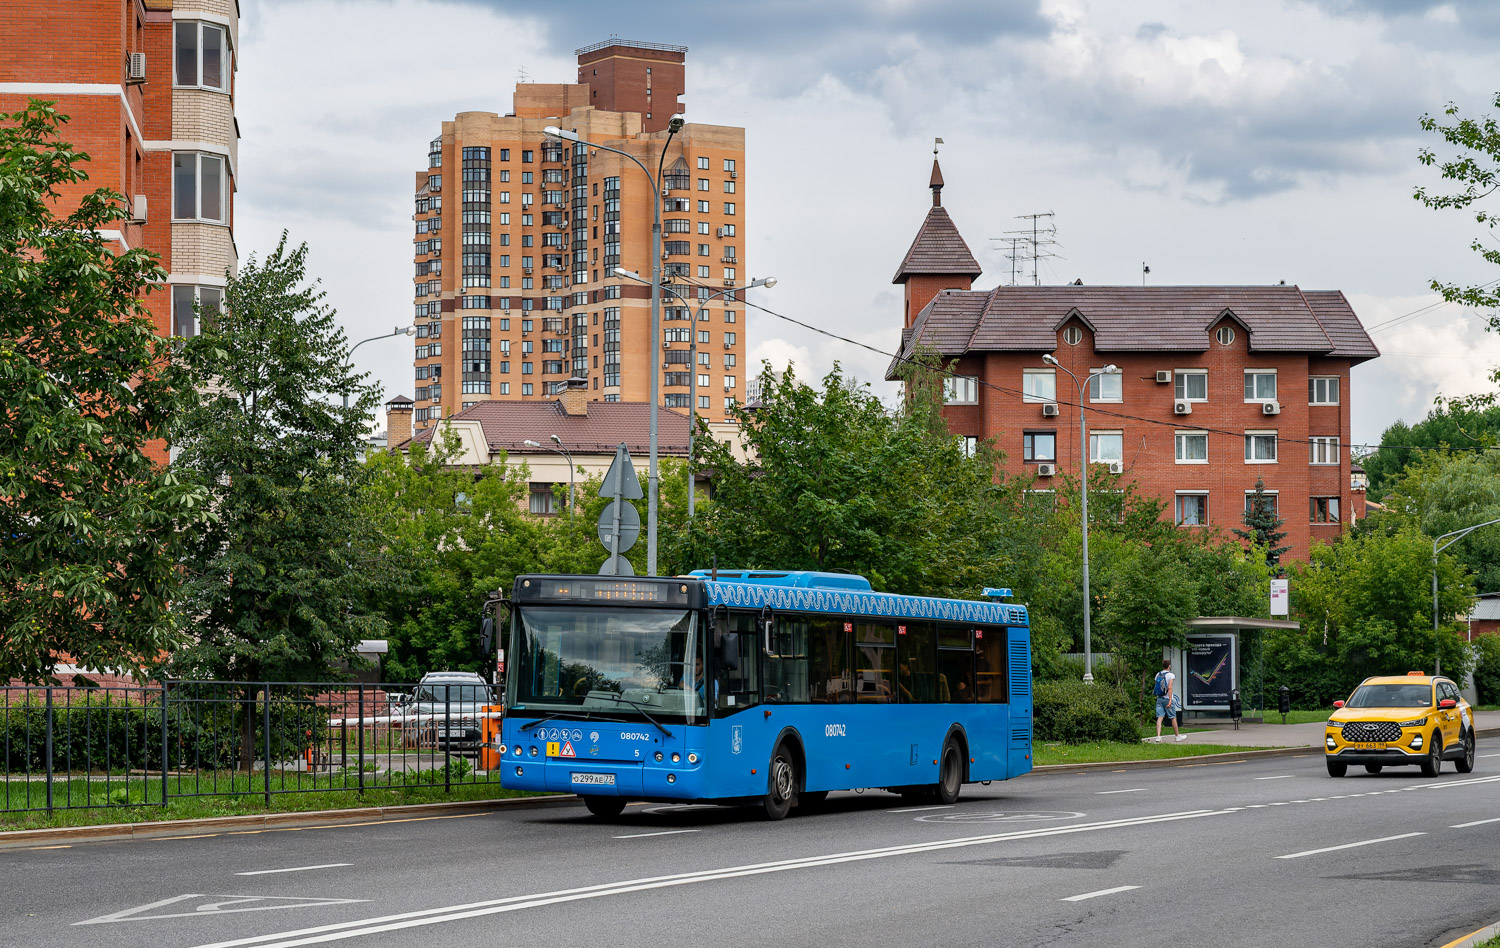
(280, 586)
(91, 524)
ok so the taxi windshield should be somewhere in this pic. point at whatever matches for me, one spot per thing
(1404, 695)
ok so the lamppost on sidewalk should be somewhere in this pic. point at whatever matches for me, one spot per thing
(1452, 538)
(397, 331)
(557, 448)
(673, 127)
(1083, 441)
(766, 282)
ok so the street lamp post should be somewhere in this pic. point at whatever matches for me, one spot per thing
(559, 449)
(673, 127)
(766, 282)
(397, 331)
(1452, 538)
(1083, 447)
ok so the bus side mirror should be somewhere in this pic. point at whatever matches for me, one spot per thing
(486, 636)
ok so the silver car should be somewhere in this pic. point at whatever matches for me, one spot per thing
(446, 711)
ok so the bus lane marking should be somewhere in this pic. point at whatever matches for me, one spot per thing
(1363, 842)
(1095, 895)
(918, 809)
(268, 872)
(388, 923)
(659, 833)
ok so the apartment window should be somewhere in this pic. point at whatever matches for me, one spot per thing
(504, 199)
(705, 271)
(185, 321)
(200, 56)
(729, 360)
(1191, 509)
(728, 230)
(730, 381)
(968, 444)
(1268, 502)
(543, 503)
(703, 336)
(729, 338)
(960, 390)
(703, 402)
(1106, 388)
(729, 316)
(1192, 447)
(676, 400)
(1038, 385)
(1260, 385)
(702, 162)
(729, 208)
(729, 273)
(728, 187)
(198, 186)
(1324, 450)
(504, 388)
(526, 156)
(1323, 390)
(1038, 446)
(1191, 384)
(729, 165)
(526, 388)
(1260, 447)
(1106, 446)
(1323, 509)
(1225, 335)
(702, 184)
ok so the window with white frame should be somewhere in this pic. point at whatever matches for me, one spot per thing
(191, 305)
(1106, 446)
(1260, 385)
(1323, 509)
(1190, 385)
(1106, 388)
(1038, 385)
(1323, 390)
(1191, 508)
(960, 390)
(200, 56)
(1325, 450)
(969, 444)
(199, 185)
(1192, 447)
(1260, 447)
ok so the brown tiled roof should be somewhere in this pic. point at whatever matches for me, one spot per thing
(400, 400)
(937, 249)
(507, 426)
(1140, 319)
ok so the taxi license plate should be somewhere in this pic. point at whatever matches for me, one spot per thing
(602, 780)
(1377, 746)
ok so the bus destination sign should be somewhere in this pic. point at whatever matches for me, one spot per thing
(605, 589)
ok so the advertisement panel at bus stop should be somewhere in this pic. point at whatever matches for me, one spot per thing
(1209, 672)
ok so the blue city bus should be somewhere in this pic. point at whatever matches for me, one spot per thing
(759, 687)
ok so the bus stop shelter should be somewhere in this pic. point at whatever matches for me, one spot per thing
(1224, 654)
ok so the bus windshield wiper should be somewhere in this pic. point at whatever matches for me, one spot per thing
(646, 714)
(569, 716)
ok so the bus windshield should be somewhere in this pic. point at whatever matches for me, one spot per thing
(625, 662)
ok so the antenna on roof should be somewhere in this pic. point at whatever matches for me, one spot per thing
(522, 76)
(1042, 236)
(1144, 270)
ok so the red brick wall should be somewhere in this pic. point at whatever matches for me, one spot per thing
(618, 82)
(921, 289)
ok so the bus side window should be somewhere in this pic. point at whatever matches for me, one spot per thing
(874, 662)
(989, 662)
(955, 663)
(916, 664)
(829, 675)
(786, 665)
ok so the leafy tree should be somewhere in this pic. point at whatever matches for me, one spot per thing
(93, 523)
(1446, 492)
(1262, 525)
(279, 586)
(1149, 599)
(1476, 169)
(1468, 423)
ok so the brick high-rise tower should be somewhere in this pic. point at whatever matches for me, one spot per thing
(518, 236)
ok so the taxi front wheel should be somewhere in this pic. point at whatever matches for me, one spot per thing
(1433, 764)
(1337, 768)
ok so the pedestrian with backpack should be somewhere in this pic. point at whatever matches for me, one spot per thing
(1167, 703)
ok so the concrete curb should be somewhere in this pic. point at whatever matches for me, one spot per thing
(63, 834)
(1475, 938)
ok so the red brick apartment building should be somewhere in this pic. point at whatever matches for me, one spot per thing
(148, 86)
(1218, 385)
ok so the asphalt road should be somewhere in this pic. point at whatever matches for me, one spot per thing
(1268, 851)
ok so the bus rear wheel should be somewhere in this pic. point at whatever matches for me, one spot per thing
(605, 807)
(781, 784)
(950, 774)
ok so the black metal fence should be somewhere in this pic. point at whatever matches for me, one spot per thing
(70, 747)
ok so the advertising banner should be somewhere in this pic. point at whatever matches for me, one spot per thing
(1281, 596)
(1210, 671)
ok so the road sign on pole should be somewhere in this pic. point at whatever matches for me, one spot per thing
(620, 523)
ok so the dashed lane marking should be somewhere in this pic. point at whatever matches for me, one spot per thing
(1277, 777)
(1133, 790)
(1095, 895)
(1363, 842)
(269, 872)
(918, 809)
(1459, 826)
(660, 833)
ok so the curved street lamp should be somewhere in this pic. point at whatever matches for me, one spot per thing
(766, 282)
(1083, 441)
(397, 331)
(1452, 538)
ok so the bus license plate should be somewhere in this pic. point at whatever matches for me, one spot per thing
(604, 780)
(1379, 746)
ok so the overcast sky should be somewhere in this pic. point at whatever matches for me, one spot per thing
(1233, 142)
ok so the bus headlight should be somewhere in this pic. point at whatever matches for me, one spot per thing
(676, 757)
(692, 758)
(658, 757)
(533, 751)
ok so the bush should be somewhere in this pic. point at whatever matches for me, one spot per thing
(1075, 713)
(1487, 671)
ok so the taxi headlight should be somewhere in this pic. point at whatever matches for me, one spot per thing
(1418, 722)
(1329, 741)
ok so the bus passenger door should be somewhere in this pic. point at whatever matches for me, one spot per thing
(741, 739)
(1018, 661)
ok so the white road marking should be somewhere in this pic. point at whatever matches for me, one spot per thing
(662, 833)
(1363, 842)
(1277, 777)
(213, 905)
(404, 920)
(1489, 755)
(1095, 895)
(918, 809)
(267, 872)
(1459, 826)
(1135, 790)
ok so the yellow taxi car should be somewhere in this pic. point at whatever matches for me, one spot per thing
(1401, 720)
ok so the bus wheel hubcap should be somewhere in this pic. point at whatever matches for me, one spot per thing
(782, 779)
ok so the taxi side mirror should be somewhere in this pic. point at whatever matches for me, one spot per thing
(1338, 704)
(1447, 703)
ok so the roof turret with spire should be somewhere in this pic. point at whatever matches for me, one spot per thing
(938, 258)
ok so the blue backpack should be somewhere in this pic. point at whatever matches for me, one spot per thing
(1161, 684)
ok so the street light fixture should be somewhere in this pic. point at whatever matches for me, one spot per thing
(1083, 442)
(766, 282)
(559, 449)
(673, 127)
(397, 331)
(1452, 538)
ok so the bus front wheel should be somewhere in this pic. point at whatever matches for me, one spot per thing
(605, 807)
(781, 784)
(950, 774)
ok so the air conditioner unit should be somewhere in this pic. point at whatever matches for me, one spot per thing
(1182, 407)
(1046, 470)
(721, 232)
(728, 345)
(729, 283)
(138, 209)
(728, 387)
(526, 270)
(1050, 409)
(1270, 408)
(137, 71)
(1163, 376)
(665, 191)
(1117, 467)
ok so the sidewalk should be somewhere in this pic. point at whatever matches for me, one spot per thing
(1486, 723)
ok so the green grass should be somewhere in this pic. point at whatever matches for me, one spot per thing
(1109, 752)
(1299, 717)
(1489, 943)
